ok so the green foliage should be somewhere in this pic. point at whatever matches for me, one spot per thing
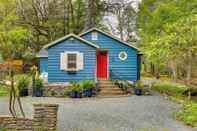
(188, 114)
(170, 88)
(4, 90)
(87, 84)
(23, 83)
(76, 87)
(39, 83)
(138, 84)
(67, 91)
(168, 32)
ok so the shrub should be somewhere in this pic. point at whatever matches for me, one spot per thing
(76, 87)
(39, 83)
(23, 83)
(189, 114)
(169, 88)
(87, 84)
(138, 85)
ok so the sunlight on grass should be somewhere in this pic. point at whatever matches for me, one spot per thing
(4, 90)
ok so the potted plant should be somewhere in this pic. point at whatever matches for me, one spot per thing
(39, 87)
(138, 88)
(22, 86)
(76, 90)
(87, 86)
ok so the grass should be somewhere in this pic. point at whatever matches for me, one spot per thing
(4, 90)
(170, 88)
(188, 114)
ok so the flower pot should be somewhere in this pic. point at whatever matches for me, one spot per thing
(138, 92)
(39, 93)
(78, 95)
(72, 94)
(88, 93)
(23, 92)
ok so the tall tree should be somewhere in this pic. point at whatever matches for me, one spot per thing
(165, 27)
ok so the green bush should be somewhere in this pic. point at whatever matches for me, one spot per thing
(189, 114)
(39, 83)
(87, 84)
(76, 87)
(138, 85)
(169, 88)
(23, 83)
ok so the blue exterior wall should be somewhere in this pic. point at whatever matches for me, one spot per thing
(43, 64)
(121, 70)
(57, 75)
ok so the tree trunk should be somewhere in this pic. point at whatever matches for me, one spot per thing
(189, 66)
(174, 70)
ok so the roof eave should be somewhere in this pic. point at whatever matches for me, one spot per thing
(66, 37)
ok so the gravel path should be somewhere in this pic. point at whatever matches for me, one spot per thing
(135, 113)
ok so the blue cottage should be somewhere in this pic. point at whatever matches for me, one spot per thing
(92, 55)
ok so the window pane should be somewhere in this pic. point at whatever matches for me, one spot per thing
(72, 61)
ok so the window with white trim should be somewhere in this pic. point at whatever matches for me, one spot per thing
(94, 36)
(72, 61)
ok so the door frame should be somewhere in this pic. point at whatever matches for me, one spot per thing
(107, 53)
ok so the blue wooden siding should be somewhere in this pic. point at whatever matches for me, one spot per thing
(43, 64)
(57, 75)
(125, 70)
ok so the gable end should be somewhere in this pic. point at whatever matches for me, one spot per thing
(109, 35)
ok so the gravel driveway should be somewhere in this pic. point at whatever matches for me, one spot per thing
(135, 113)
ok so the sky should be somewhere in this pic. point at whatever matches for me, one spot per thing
(112, 19)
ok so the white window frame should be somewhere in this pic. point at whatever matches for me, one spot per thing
(124, 54)
(94, 36)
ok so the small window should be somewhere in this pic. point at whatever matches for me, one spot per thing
(122, 55)
(72, 61)
(94, 36)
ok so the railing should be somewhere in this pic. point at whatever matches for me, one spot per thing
(117, 76)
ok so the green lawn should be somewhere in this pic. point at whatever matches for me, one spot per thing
(4, 90)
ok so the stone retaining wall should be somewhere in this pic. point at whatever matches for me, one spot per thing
(55, 89)
(45, 118)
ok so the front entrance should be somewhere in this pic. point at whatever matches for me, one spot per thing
(102, 64)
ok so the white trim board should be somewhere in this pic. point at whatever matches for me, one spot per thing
(69, 36)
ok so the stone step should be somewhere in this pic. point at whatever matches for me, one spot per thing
(110, 89)
(113, 96)
(108, 86)
(106, 81)
(109, 93)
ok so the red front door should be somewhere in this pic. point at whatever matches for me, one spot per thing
(102, 65)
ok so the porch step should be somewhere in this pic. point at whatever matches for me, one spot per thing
(108, 88)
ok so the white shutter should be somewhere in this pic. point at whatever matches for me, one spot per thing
(80, 61)
(63, 61)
